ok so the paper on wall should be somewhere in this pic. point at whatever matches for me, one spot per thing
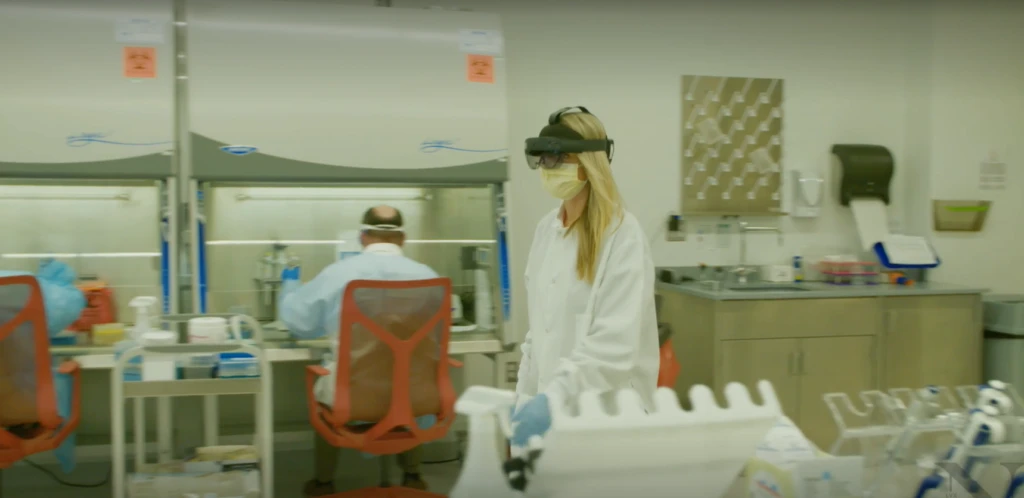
(140, 31)
(481, 42)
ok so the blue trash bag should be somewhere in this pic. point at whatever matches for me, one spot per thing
(65, 453)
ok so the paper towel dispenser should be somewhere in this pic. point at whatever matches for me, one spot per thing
(866, 171)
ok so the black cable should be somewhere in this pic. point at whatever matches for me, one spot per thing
(458, 458)
(62, 482)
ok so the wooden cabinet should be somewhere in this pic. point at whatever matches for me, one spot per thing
(748, 361)
(933, 340)
(802, 371)
(810, 347)
(829, 365)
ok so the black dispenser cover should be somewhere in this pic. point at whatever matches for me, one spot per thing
(866, 172)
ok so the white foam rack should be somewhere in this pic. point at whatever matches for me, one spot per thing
(596, 452)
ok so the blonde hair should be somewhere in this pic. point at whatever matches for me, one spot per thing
(604, 203)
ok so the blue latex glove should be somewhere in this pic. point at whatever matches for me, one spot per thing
(533, 419)
(291, 273)
(65, 453)
(289, 283)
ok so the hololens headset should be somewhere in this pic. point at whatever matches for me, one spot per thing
(556, 140)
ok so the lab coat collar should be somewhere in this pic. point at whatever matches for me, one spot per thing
(383, 248)
(556, 223)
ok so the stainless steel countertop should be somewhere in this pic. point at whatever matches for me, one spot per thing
(278, 350)
(758, 291)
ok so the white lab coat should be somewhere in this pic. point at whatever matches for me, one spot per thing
(601, 337)
(314, 310)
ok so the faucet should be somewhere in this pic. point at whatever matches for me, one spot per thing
(742, 270)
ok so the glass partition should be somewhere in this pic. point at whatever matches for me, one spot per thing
(110, 235)
(253, 232)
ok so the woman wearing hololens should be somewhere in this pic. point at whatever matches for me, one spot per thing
(589, 281)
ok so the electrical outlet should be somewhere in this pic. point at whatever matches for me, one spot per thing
(675, 229)
(512, 372)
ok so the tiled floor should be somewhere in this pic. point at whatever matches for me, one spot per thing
(292, 471)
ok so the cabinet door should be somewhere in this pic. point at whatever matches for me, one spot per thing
(829, 365)
(933, 340)
(748, 361)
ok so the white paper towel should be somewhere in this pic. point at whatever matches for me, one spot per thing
(872, 221)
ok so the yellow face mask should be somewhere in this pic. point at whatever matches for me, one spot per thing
(562, 182)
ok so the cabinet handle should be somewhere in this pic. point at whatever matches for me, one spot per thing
(800, 363)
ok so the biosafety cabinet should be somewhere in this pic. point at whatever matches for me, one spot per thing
(302, 116)
(86, 143)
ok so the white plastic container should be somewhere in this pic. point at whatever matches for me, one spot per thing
(212, 330)
(156, 367)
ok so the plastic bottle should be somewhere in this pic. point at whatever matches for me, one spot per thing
(143, 334)
(798, 269)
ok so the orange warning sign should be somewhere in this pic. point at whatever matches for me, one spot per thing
(480, 68)
(139, 62)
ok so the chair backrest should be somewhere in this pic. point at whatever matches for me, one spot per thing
(26, 379)
(392, 358)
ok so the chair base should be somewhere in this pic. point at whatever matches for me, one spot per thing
(389, 492)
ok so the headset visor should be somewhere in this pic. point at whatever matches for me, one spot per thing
(549, 152)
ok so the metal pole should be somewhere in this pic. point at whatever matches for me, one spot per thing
(183, 166)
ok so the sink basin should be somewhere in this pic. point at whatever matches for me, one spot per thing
(767, 288)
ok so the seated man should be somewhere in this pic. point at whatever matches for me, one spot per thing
(314, 310)
(63, 303)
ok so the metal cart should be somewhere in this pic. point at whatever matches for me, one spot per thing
(209, 389)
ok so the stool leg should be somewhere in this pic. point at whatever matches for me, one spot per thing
(385, 470)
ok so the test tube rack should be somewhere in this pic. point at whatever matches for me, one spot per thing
(890, 416)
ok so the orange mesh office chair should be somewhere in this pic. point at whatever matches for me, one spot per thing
(29, 422)
(392, 367)
(669, 367)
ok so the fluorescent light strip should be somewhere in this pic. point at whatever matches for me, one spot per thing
(321, 195)
(466, 241)
(42, 255)
(333, 242)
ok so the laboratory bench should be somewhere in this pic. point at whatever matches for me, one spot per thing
(288, 358)
(810, 339)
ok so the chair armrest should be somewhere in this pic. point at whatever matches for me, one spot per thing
(454, 363)
(317, 370)
(68, 367)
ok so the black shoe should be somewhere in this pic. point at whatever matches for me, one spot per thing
(414, 481)
(316, 488)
